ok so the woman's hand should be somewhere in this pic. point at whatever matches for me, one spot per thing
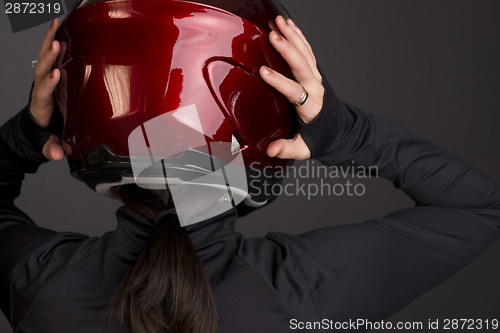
(297, 52)
(42, 96)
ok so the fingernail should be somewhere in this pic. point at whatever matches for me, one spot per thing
(278, 37)
(266, 71)
(282, 20)
(53, 22)
(290, 21)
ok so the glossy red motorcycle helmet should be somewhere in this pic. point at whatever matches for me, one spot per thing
(150, 87)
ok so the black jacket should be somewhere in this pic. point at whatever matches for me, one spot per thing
(61, 282)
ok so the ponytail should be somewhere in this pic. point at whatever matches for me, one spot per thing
(166, 289)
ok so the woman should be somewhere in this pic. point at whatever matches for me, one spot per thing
(253, 291)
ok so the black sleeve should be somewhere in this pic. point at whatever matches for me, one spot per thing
(370, 270)
(21, 142)
(19, 153)
(342, 134)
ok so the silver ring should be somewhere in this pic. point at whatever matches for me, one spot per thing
(34, 63)
(303, 98)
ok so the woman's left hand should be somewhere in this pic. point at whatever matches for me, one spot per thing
(297, 52)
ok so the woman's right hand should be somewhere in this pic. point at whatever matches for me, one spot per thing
(42, 96)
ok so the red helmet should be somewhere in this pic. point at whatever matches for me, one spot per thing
(172, 84)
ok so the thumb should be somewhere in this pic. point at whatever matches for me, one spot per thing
(294, 148)
(52, 150)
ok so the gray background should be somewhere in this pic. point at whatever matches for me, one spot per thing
(432, 66)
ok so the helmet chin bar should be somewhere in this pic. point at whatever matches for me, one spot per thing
(101, 165)
(192, 180)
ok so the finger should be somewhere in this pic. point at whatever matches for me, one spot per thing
(47, 61)
(42, 93)
(296, 60)
(297, 40)
(293, 91)
(42, 101)
(288, 88)
(294, 148)
(53, 150)
(311, 57)
(49, 37)
(303, 38)
(63, 47)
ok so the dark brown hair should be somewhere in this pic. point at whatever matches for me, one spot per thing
(166, 289)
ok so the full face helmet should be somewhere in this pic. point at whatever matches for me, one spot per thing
(166, 92)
